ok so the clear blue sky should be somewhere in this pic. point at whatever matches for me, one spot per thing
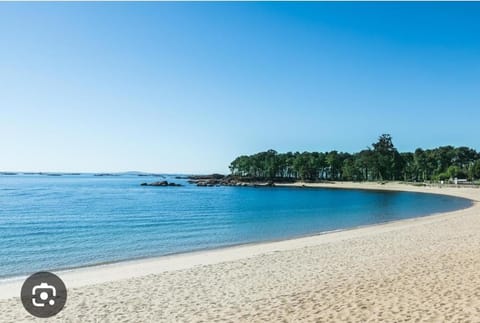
(186, 87)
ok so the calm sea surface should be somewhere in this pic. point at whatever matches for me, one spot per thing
(54, 222)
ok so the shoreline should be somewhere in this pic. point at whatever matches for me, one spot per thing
(7, 279)
(135, 268)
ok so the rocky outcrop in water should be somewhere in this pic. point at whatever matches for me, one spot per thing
(229, 180)
(207, 180)
(161, 183)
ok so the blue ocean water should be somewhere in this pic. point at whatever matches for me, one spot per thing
(57, 222)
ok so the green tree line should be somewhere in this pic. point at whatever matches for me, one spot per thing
(381, 161)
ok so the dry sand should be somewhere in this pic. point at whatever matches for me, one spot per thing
(425, 269)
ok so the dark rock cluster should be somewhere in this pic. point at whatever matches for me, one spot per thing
(222, 180)
(161, 183)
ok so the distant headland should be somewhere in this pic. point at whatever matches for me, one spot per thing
(380, 162)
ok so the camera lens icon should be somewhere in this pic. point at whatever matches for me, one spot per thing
(43, 294)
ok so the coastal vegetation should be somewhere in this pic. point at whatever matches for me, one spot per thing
(380, 162)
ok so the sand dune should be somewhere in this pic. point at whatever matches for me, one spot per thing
(425, 269)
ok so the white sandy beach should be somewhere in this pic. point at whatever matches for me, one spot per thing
(425, 269)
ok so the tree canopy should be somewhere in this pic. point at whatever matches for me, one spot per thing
(381, 161)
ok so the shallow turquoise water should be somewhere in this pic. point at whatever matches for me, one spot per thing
(54, 222)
